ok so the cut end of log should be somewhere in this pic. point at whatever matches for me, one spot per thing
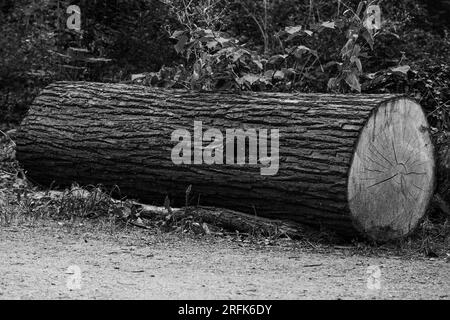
(391, 179)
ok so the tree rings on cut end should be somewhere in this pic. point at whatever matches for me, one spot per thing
(391, 179)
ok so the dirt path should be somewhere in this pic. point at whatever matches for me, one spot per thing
(35, 263)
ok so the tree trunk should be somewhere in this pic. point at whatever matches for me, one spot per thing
(349, 162)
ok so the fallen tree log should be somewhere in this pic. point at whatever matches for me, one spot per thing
(346, 162)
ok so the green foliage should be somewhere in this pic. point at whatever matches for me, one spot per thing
(217, 62)
(297, 60)
(351, 67)
(119, 37)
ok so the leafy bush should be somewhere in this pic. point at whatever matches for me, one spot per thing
(297, 60)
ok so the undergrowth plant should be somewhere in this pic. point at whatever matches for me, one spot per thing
(215, 60)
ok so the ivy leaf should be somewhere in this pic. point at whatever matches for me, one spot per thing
(357, 61)
(356, 50)
(292, 30)
(332, 83)
(277, 59)
(179, 47)
(279, 75)
(268, 74)
(360, 7)
(288, 72)
(238, 54)
(358, 64)
(197, 71)
(206, 33)
(258, 64)
(176, 34)
(329, 24)
(301, 49)
(347, 50)
(250, 78)
(222, 40)
(401, 69)
(367, 35)
(352, 80)
(211, 44)
(137, 76)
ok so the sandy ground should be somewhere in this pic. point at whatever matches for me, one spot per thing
(54, 261)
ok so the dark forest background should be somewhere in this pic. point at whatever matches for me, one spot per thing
(230, 45)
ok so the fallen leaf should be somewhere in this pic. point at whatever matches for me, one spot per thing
(292, 30)
(328, 24)
(401, 69)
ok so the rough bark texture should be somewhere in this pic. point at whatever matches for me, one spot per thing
(114, 134)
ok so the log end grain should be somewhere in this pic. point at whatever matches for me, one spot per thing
(392, 174)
